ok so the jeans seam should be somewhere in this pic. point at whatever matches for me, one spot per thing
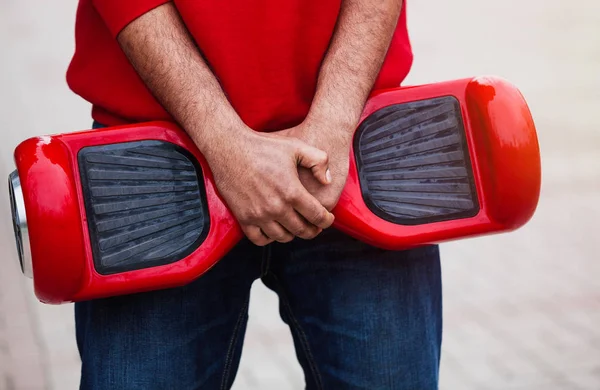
(232, 342)
(266, 261)
(295, 325)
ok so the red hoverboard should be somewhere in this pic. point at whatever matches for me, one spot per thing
(134, 208)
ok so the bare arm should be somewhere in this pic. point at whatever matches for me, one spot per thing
(255, 173)
(161, 50)
(357, 51)
(359, 45)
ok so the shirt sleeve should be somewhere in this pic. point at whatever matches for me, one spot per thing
(119, 13)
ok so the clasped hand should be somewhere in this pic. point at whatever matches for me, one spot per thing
(284, 184)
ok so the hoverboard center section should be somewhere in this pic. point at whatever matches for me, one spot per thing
(413, 163)
(145, 204)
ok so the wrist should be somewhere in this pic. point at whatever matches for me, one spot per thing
(336, 116)
(217, 131)
(337, 128)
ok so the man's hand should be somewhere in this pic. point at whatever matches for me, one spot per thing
(257, 175)
(350, 67)
(334, 139)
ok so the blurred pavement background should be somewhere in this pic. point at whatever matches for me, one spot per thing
(522, 310)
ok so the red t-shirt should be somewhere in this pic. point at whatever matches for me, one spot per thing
(265, 53)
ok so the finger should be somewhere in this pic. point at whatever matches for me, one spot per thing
(311, 209)
(298, 226)
(275, 231)
(255, 235)
(314, 159)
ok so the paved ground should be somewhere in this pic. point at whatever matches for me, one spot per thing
(522, 311)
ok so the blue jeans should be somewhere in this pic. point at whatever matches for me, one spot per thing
(361, 318)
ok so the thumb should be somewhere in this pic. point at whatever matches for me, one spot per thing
(314, 159)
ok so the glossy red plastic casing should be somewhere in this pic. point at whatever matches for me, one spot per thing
(63, 267)
(504, 155)
(505, 158)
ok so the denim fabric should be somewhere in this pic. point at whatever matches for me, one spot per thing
(361, 318)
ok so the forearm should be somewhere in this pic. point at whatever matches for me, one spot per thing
(254, 173)
(161, 50)
(354, 59)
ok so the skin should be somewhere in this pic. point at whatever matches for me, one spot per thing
(283, 184)
(357, 51)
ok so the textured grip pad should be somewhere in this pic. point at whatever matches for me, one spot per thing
(414, 164)
(145, 204)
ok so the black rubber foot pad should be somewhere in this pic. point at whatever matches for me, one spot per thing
(414, 164)
(145, 204)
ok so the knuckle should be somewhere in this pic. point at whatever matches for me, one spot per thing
(301, 231)
(292, 195)
(244, 219)
(276, 208)
(277, 237)
(294, 146)
(308, 232)
(321, 219)
(261, 215)
(249, 216)
(311, 235)
(252, 236)
(318, 217)
(285, 238)
(260, 241)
